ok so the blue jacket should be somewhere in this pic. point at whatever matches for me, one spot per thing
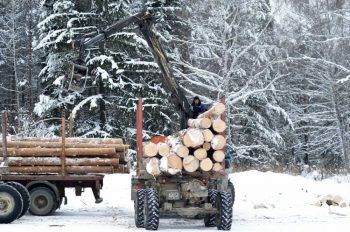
(198, 109)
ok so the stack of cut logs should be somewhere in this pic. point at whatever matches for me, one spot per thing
(198, 148)
(76, 156)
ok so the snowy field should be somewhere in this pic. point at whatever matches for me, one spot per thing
(264, 202)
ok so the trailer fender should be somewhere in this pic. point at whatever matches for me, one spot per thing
(47, 184)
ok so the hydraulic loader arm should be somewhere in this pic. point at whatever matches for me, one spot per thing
(144, 20)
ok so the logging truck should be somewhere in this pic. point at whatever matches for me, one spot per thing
(192, 184)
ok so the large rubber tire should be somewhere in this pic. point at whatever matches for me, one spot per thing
(11, 204)
(224, 206)
(209, 219)
(231, 188)
(151, 209)
(139, 205)
(24, 194)
(42, 201)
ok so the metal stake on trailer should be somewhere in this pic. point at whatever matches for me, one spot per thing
(139, 135)
(4, 163)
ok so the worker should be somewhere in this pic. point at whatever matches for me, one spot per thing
(197, 107)
(229, 156)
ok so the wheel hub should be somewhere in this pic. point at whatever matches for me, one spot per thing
(6, 204)
(41, 202)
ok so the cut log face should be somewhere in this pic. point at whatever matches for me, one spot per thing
(214, 111)
(163, 149)
(219, 125)
(206, 146)
(206, 164)
(190, 163)
(218, 142)
(174, 162)
(202, 123)
(208, 135)
(181, 150)
(150, 149)
(200, 153)
(219, 156)
(217, 167)
(152, 166)
(193, 138)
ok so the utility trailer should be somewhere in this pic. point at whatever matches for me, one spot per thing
(47, 192)
(208, 196)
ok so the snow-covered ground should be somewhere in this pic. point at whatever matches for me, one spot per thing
(264, 202)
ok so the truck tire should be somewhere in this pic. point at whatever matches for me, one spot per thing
(231, 188)
(24, 194)
(151, 209)
(139, 205)
(224, 206)
(209, 219)
(11, 204)
(42, 201)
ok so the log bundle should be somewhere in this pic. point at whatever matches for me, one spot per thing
(199, 148)
(77, 156)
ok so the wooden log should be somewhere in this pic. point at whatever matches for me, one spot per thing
(36, 144)
(219, 156)
(206, 164)
(208, 135)
(163, 149)
(69, 140)
(218, 142)
(217, 167)
(174, 164)
(150, 149)
(55, 161)
(69, 169)
(219, 125)
(190, 163)
(193, 138)
(216, 110)
(152, 166)
(206, 146)
(181, 150)
(200, 153)
(41, 152)
(202, 123)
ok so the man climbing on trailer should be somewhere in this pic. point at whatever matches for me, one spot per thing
(197, 107)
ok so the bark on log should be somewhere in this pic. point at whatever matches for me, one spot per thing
(69, 169)
(163, 149)
(201, 123)
(150, 149)
(190, 163)
(55, 161)
(70, 140)
(219, 125)
(219, 156)
(208, 135)
(200, 153)
(152, 166)
(206, 146)
(36, 144)
(214, 111)
(217, 167)
(206, 164)
(41, 152)
(193, 138)
(176, 146)
(218, 142)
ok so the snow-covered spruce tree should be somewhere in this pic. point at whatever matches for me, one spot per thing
(121, 69)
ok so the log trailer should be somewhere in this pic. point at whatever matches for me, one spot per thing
(195, 195)
(47, 166)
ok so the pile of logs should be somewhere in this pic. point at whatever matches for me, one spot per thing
(198, 148)
(73, 156)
